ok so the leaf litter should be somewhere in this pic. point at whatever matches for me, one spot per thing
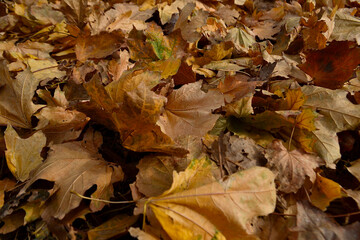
(179, 119)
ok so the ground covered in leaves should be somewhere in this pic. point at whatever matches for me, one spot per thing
(179, 119)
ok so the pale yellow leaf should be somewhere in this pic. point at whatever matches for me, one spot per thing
(23, 155)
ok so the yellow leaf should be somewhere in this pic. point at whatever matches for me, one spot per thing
(306, 120)
(168, 67)
(197, 206)
(218, 51)
(324, 191)
(32, 211)
(23, 155)
(294, 99)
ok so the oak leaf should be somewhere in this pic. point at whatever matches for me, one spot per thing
(23, 155)
(188, 111)
(198, 205)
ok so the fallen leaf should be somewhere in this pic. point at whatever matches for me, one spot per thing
(12, 222)
(354, 169)
(16, 106)
(5, 185)
(313, 33)
(291, 167)
(141, 235)
(198, 205)
(347, 27)
(188, 111)
(23, 155)
(112, 227)
(97, 46)
(324, 191)
(312, 223)
(74, 167)
(332, 66)
(155, 174)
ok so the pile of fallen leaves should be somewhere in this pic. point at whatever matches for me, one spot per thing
(180, 119)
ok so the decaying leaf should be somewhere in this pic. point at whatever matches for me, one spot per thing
(23, 155)
(291, 167)
(324, 191)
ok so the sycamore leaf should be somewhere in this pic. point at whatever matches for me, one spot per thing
(74, 166)
(291, 167)
(197, 205)
(112, 227)
(312, 223)
(332, 66)
(324, 191)
(23, 155)
(16, 106)
(294, 99)
(241, 38)
(188, 111)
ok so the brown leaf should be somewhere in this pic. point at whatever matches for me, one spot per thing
(156, 174)
(188, 111)
(16, 106)
(97, 46)
(113, 227)
(312, 223)
(332, 66)
(75, 167)
(12, 222)
(291, 167)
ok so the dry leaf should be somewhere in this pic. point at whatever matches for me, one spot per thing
(291, 167)
(74, 167)
(198, 205)
(16, 106)
(23, 155)
(188, 111)
(112, 228)
(324, 191)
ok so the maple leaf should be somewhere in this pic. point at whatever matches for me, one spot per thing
(23, 155)
(74, 166)
(16, 106)
(188, 111)
(291, 167)
(198, 205)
